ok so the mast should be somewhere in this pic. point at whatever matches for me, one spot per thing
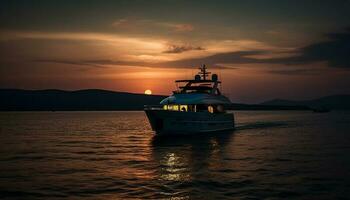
(203, 73)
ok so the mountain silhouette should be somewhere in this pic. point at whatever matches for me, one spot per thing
(333, 102)
(95, 99)
(91, 99)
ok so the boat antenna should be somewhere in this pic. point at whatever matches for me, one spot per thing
(221, 85)
(204, 72)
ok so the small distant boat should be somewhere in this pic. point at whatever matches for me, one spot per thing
(197, 106)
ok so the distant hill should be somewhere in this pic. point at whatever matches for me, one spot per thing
(56, 100)
(239, 106)
(94, 99)
(334, 102)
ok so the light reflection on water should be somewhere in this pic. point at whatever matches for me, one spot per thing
(115, 155)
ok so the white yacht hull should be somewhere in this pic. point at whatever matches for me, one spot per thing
(165, 122)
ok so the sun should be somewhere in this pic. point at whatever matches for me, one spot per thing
(148, 92)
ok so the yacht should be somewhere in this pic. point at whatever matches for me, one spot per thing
(197, 106)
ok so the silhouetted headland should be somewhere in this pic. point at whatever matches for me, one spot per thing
(334, 102)
(84, 100)
(99, 100)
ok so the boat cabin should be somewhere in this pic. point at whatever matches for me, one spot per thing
(198, 95)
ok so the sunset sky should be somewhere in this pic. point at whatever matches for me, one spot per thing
(260, 49)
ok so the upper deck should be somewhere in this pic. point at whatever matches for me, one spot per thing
(199, 91)
(197, 81)
(200, 84)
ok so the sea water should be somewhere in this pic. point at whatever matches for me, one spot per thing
(115, 155)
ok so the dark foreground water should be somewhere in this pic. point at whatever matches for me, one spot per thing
(114, 155)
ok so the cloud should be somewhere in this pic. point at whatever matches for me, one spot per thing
(150, 52)
(111, 38)
(99, 63)
(71, 62)
(288, 72)
(120, 22)
(178, 27)
(116, 46)
(181, 48)
(221, 60)
(237, 57)
(132, 23)
(335, 52)
(123, 47)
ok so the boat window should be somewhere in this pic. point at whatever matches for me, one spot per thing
(174, 107)
(220, 108)
(183, 108)
(195, 108)
(211, 109)
(171, 107)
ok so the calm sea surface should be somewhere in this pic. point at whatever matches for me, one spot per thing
(114, 155)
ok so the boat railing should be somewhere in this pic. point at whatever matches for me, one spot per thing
(153, 107)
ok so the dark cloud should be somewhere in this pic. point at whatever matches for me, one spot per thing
(335, 51)
(70, 62)
(238, 57)
(182, 48)
(97, 63)
(294, 71)
(216, 60)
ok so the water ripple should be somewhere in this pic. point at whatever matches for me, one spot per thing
(114, 155)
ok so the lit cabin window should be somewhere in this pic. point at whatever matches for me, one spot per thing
(211, 109)
(173, 107)
(183, 108)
